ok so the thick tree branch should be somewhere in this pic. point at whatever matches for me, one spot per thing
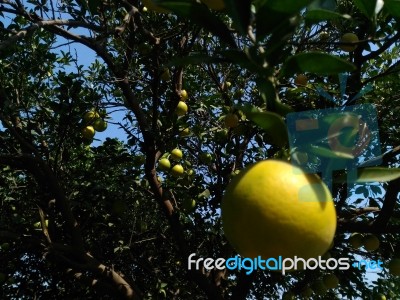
(45, 177)
(68, 256)
(388, 206)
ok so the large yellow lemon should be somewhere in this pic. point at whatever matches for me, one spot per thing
(273, 209)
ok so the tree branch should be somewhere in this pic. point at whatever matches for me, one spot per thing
(388, 205)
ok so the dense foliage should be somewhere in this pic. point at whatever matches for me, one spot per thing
(99, 219)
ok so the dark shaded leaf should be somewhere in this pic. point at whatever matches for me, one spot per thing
(200, 14)
(239, 10)
(367, 7)
(316, 62)
(393, 7)
(271, 123)
(288, 6)
(323, 4)
(317, 15)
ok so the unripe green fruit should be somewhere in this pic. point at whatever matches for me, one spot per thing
(206, 158)
(231, 120)
(307, 292)
(90, 116)
(176, 154)
(394, 267)
(88, 132)
(184, 132)
(177, 170)
(330, 281)
(319, 287)
(189, 205)
(371, 242)
(166, 75)
(181, 108)
(355, 240)
(100, 125)
(184, 95)
(164, 164)
(349, 38)
(380, 297)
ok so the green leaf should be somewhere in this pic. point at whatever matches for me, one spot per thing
(323, 4)
(200, 14)
(393, 7)
(378, 174)
(270, 97)
(268, 92)
(372, 174)
(242, 59)
(239, 11)
(367, 7)
(325, 152)
(268, 21)
(271, 123)
(317, 63)
(288, 6)
(247, 108)
(317, 15)
(279, 37)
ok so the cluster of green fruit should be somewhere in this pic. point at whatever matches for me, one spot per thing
(177, 170)
(93, 122)
(182, 108)
(370, 241)
(165, 165)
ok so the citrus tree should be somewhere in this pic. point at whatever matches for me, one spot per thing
(123, 123)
